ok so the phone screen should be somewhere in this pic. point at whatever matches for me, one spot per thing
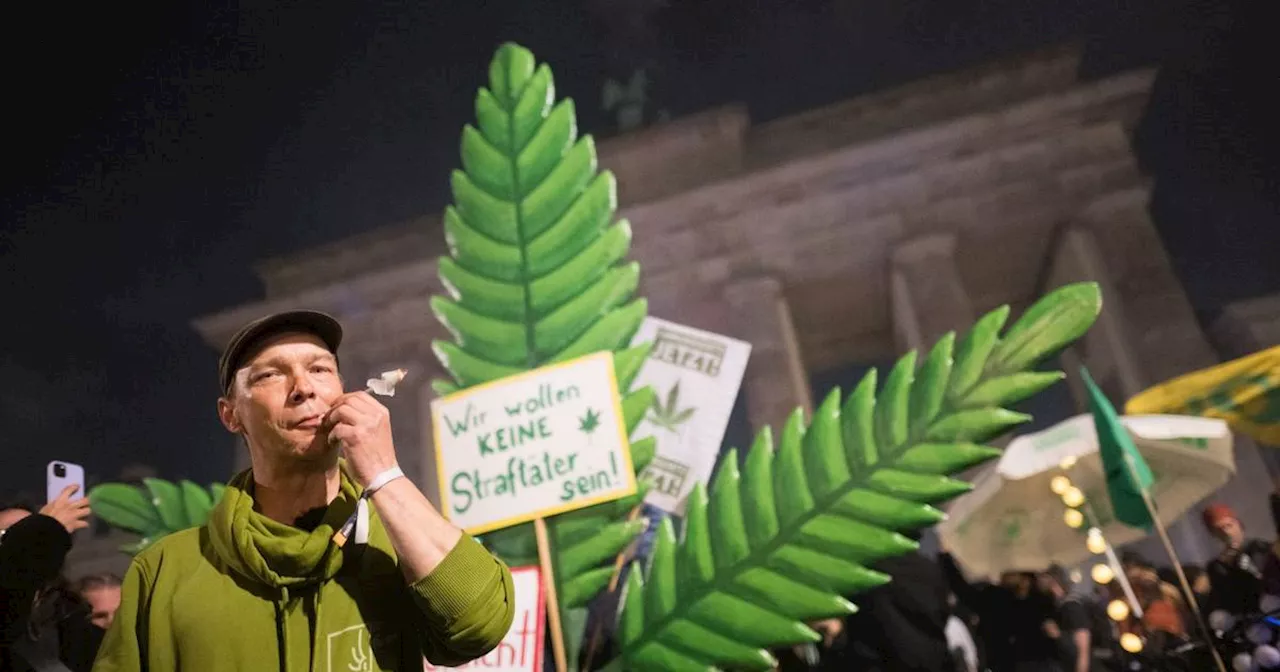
(61, 474)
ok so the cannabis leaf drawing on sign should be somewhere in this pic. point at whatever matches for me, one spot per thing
(588, 423)
(670, 416)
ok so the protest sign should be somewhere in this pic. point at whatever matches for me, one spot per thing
(696, 375)
(521, 650)
(532, 445)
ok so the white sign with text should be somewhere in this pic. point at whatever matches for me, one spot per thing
(532, 445)
(521, 650)
(696, 376)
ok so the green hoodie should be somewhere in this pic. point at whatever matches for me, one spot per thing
(244, 592)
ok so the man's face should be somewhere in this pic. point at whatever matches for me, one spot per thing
(9, 517)
(103, 603)
(281, 394)
(1229, 532)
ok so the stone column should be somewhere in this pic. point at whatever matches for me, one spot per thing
(1108, 348)
(1249, 326)
(1122, 369)
(1244, 328)
(929, 298)
(776, 381)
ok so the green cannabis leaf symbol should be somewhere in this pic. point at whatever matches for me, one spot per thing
(588, 423)
(670, 416)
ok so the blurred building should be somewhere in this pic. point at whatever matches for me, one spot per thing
(836, 238)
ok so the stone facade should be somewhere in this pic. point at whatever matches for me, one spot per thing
(1245, 327)
(841, 235)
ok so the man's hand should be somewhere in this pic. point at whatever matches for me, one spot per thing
(70, 513)
(362, 427)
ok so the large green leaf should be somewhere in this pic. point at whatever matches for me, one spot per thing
(787, 539)
(155, 509)
(537, 274)
(125, 507)
(167, 498)
(196, 502)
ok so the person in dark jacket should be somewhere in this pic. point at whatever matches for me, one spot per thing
(1010, 617)
(901, 626)
(1236, 575)
(45, 626)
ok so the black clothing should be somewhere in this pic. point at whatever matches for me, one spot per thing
(901, 626)
(1235, 577)
(1075, 614)
(1010, 629)
(32, 552)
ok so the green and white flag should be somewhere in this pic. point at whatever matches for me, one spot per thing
(1128, 474)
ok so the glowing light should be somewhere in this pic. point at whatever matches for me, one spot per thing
(1068, 462)
(1073, 518)
(1102, 574)
(1130, 642)
(1221, 620)
(1117, 610)
(1073, 497)
(1095, 543)
(1059, 485)
(1267, 657)
(1076, 576)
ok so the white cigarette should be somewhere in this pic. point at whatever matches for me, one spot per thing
(385, 385)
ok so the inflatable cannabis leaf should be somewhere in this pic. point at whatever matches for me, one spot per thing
(155, 509)
(786, 540)
(536, 276)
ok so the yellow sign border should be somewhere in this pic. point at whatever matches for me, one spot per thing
(628, 467)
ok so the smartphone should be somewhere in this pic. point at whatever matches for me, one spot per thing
(61, 474)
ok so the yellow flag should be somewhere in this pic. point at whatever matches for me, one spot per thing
(1245, 392)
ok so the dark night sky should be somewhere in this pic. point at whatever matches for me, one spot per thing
(156, 151)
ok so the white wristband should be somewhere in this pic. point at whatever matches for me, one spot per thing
(381, 480)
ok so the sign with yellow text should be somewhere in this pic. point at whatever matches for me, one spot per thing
(532, 445)
(1245, 392)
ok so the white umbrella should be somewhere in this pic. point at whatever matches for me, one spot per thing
(1012, 520)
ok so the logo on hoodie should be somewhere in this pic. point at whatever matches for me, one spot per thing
(351, 649)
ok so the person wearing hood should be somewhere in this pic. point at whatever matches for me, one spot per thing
(275, 580)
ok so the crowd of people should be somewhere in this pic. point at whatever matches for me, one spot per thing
(933, 618)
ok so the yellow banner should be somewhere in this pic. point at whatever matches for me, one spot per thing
(1244, 392)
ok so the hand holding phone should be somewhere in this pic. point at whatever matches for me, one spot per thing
(65, 491)
(58, 475)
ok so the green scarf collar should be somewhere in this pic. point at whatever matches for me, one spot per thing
(272, 553)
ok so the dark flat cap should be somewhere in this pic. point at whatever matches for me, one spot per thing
(251, 335)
